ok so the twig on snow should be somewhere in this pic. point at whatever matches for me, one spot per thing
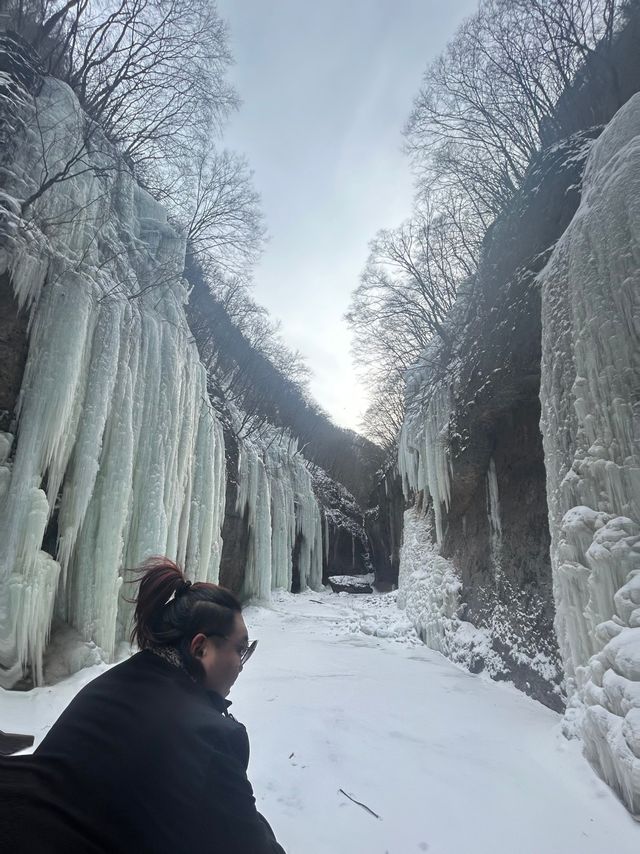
(364, 806)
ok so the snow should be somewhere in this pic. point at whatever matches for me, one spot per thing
(591, 433)
(335, 699)
(430, 590)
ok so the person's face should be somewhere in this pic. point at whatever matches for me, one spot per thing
(220, 657)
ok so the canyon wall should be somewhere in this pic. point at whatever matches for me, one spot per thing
(111, 450)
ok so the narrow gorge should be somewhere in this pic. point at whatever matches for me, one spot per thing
(507, 519)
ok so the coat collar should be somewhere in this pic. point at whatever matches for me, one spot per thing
(172, 656)
(218, 702)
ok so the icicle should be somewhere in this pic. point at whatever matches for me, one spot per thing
(495, 526)
(113, 413)
(423, 455)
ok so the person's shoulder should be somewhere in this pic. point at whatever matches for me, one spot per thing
(141, 674)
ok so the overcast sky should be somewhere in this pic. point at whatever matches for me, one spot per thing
(326, 89)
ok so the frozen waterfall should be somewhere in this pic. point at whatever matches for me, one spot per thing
(423, 448)
(591, 429)
(275, 487)
(117, 453)
(114, 426)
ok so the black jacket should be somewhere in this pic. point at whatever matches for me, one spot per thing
(142, 761)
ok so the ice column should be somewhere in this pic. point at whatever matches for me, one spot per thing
(423, 457)
(428, 586)
(495, 525)
(254, 495)
(115, 429)
(591, 431)
(276, 488)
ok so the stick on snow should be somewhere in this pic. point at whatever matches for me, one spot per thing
(364, 806)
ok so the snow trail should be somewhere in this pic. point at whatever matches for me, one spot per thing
(341, 694)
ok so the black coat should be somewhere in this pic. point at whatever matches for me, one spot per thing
(142, 761)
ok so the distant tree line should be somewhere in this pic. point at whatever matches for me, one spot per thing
(251, 370)
(518, 76)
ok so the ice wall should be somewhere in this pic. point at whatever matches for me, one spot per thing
(276, 489)
(590, 395)
(114, 426)
(428, 586)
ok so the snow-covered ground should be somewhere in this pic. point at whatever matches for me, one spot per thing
(341, 694)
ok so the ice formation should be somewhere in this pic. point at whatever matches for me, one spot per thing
(115, 431)
(114, 426)
(429, 592)
(276, 489)
(428, 586)
(591, 430)
(423, 450)
(495, 525)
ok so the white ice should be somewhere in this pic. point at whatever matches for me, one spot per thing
(114, 425)
(275, 486)
(115, 429)
(423, 447)
(591, 432)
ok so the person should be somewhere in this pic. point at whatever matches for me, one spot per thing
(147, 758)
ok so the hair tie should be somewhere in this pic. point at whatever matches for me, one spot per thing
(186, 584)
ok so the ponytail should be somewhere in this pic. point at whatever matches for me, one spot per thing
(170, 610)
(160, 583)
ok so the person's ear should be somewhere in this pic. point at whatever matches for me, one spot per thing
(198, 645)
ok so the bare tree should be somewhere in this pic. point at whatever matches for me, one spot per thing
(220, 213)
(382, 419)
(151, 72)
(64, 154)
(487, 100)
(408, 287)
(486, 107)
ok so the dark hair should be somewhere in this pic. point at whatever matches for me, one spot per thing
(170, 610)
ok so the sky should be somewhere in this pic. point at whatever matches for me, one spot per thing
(326, 90)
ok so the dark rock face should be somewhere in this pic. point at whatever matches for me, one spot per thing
(521, 552)
(345, 553)
(494, 435)
(20, 61)
(14, 346)
(20, 64)
(506, 576)
(349, 584)
(383, 525)
(345, 547)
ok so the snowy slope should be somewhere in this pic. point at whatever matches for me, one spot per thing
(341, 694)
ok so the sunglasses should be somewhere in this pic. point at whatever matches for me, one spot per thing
(245, 652)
